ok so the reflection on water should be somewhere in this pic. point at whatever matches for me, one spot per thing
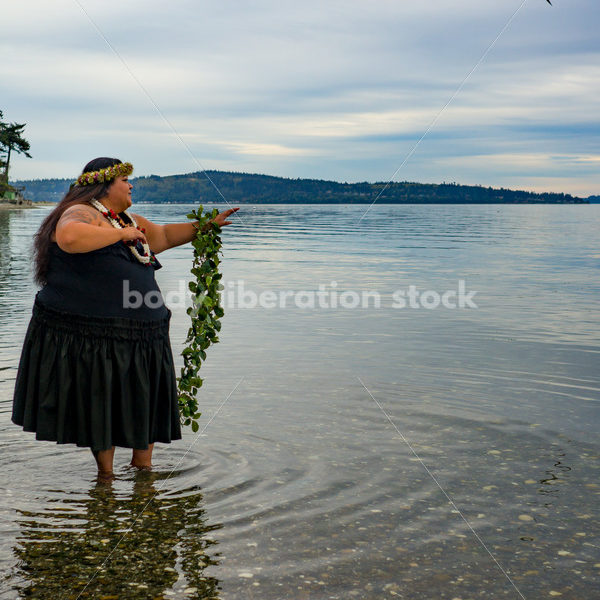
(106, 545)
(318, 496)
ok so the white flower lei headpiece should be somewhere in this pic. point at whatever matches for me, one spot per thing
(146, 258)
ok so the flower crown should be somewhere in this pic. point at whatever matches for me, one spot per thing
(104, 175)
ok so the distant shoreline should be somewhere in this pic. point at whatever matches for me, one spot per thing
(217, 187)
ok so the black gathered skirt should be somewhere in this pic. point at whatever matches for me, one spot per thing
(97, 382)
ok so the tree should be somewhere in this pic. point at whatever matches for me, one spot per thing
(11, 139)
(3, 186)
(2, 166)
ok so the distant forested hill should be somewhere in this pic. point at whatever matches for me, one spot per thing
(265, 189)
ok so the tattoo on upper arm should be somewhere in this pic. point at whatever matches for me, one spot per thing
(80, 215)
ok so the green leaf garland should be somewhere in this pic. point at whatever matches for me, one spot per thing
(205, 312)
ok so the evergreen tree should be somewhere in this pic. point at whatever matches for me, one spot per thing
(11, 140)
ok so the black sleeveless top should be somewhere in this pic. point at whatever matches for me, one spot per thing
(108, 282)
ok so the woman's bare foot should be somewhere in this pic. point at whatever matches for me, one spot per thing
(106, 476)
(104, 460)
(142, 459)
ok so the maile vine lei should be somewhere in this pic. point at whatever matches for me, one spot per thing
(205, 312)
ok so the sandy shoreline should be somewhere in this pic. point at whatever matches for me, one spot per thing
(13, 206)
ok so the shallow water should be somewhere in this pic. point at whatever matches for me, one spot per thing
(344, 453)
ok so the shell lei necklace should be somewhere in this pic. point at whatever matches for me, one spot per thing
(117, 222)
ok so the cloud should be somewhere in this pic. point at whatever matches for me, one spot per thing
(338, 90)
(268, 149)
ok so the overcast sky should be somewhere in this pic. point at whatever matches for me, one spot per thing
(329, 89)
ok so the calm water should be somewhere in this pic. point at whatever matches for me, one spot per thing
(340, 435)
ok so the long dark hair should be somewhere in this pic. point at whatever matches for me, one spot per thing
(76, 195)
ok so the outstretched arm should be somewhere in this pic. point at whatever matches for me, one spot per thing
(163, 237)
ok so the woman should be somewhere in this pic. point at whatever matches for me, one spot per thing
(96, 369)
